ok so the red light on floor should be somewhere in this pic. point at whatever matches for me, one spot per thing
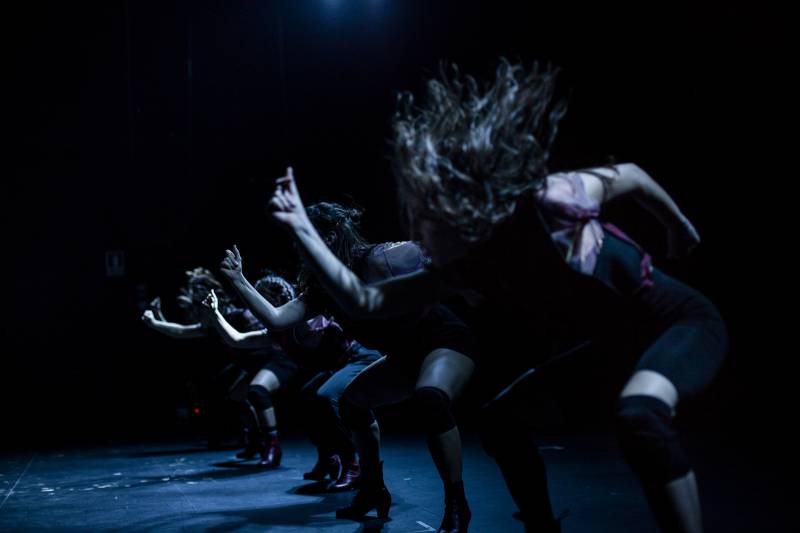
(197, 410)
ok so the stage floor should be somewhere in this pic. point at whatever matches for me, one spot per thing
(183, 486)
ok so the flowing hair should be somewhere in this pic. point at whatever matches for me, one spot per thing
(468, 153)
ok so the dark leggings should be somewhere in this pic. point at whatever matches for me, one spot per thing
(682, 333)
(682, 337)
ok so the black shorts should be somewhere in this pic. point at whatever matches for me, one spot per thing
(438, 328)
(284, 367)
(680, 333)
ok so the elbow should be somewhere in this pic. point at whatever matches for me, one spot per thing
(631, 179)
(269, 319)
(635, 173)
(233, 343)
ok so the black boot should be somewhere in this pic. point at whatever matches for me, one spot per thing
(251, 446)
(327, 466)
(270, 451)
(456, 511)
(349, 479)
(373, 494)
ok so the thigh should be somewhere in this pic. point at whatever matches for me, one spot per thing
(446, 370)
(334, 386)
(383, 382)
(267, 379)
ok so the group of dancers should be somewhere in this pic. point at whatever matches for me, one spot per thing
(539, 271)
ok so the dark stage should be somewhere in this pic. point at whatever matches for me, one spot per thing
(183, 486)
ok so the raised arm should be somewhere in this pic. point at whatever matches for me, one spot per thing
(173, 329)
(392, 297)
(607, 183)
(230, 335)
(282, 317)
(155, 305)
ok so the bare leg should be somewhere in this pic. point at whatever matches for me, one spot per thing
(448, 371)
(261, 387)
(266, 417)
(676, 503)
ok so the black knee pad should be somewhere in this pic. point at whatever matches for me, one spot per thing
(433, 410)
(648, 441)
(353, 416)
(259, 398)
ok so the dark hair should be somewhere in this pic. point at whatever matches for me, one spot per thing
(199, 282)
(343, 222)
(275, 289)
(467, 154)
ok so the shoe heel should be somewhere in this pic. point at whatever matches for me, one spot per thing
(383, 505)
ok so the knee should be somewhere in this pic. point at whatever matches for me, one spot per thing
(648, 440)
(259, 397)
(433, 410)
(328, 396)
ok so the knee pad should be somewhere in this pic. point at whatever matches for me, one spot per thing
(648, 441)
(353, 416)
(259, 398)
(433, 410)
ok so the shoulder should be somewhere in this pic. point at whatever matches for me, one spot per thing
(391, 259)
(575, 194)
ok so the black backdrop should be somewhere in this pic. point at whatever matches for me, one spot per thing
(156, 129)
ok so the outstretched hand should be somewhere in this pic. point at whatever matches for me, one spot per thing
(148, 317)
(155, 306)
(211, 301)
(286, 206)
(231, 265)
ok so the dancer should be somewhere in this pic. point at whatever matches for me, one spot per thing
(472, 180)
(276, 370)
(318, 347)
(228, 385)
(429, 359)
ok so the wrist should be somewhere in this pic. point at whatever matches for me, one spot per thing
(304, 230)
(238, 279)
(302, 226)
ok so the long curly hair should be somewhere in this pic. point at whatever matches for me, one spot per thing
(344, 224)
(468, 153)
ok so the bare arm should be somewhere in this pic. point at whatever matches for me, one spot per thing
(607, 183)
(230, 335)
(285, 316)
(155, 306)
(173, 329)
(358, 299)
